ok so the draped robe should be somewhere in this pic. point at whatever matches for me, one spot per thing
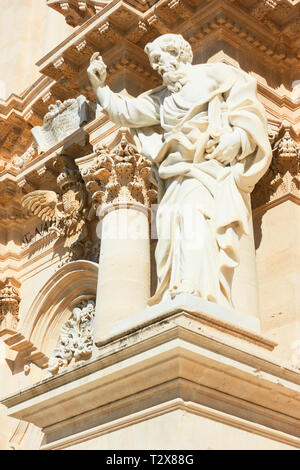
(203, 204)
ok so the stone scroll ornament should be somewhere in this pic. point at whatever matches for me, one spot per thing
(61, 121)
(206, 134)
(76, 337)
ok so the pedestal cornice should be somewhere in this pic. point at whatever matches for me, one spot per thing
(182, 357)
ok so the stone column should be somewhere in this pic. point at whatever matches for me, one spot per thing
(276, 211)
(118, 182)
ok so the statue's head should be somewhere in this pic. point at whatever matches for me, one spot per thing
(168, 55)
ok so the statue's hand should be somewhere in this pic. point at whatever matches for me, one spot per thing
(97, 71)
(227, 149)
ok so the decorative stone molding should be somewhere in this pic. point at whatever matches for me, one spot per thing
(18, 435)
(18, 344)
(62, 120)
(274, 128)
(110, 32)
(180, 8)
(230, 22)
(88, 250)
(287, 147)
(19, 162)
(77, 11)
(262, 9)
(76, 337)
(68, 209)
(294, 361)
(282, 178)
(119, 176)
(9, 305)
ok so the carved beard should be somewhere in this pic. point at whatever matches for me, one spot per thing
(174, 80)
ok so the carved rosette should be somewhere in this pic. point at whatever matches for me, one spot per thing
(282, 178)
(76, 337)
(9, 305)
(119, 176)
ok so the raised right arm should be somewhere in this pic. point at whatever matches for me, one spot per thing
(129, 112)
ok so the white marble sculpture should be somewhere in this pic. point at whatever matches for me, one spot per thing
(206, 133)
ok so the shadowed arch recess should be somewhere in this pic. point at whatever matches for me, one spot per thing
(52, 306)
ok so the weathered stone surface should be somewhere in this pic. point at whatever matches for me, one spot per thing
(157, 377)
(62, 120)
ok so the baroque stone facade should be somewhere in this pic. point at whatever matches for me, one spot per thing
(74, 322)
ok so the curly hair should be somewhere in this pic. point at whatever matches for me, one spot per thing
(175, 40)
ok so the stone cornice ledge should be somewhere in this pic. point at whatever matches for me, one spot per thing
(169, 407)
(225, 317)
(275, 202)
(180, 357)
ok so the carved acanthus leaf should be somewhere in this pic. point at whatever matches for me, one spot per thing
(283, 176)
(9, 305)
(120, 175)
(287, 147)
(76, 337)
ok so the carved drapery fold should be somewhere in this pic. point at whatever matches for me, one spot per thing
(76, 337)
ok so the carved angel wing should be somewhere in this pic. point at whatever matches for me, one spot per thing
(41, 203)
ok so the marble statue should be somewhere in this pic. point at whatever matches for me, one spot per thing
(206, 134)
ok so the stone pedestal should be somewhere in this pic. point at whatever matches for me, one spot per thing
(230, 318)
(184, 379)
(118, 182)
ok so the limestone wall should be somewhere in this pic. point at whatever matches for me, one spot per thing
(28, 30)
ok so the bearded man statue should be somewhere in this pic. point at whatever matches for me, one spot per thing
(206, 134)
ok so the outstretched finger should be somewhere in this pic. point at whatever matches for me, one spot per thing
(95, 56)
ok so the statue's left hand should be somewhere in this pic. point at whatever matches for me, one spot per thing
(227, 149)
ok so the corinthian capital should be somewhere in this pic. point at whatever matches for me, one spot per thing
(119, 176)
